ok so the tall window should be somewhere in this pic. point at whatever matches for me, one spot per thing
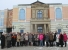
(1, 22)
(39, 14)
(22, 14)
(58, 13)
(2, 13)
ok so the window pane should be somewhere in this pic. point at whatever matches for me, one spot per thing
(40, 28)
(58, 13)
(39, 14)
(1, 22)
(2, 13)
(22, 14)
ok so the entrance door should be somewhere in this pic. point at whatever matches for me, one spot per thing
(40, 29)
(59, 30)
(21, 31)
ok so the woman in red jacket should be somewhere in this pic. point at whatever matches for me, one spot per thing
(65, 39)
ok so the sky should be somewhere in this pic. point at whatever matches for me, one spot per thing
(4, 4)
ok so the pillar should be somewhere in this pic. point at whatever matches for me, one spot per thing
(45, 28)
(49, 27)
(31, 27)
(35, 27)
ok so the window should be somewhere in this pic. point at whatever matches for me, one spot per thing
(59, 30)
(22, 14)
(58, 13)
(2, 13)
(21, 31)
(40, 29)
(1, 22)
(39, 14)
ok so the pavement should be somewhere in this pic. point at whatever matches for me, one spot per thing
(36, 48)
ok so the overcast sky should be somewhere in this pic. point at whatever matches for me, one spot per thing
(4, 4)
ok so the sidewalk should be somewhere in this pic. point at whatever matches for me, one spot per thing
(35, 48)
(0, 42)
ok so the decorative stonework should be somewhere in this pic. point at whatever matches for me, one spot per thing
(9, 19)
(35, 7)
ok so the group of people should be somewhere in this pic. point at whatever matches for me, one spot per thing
(13, 39)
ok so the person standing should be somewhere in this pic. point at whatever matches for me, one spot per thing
(8, 40)
(35, 39)
(22, 39)
(2, 41)
(47, 39)
(41, 39)
(54, 39)
(65, 39)
(18, 39)
(30, 38)
(61, 39)
(26, 39)
(57, 39)
(13, 39)
(51, 39)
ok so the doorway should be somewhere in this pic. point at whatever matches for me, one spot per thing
(21, 31)
(40, 29)
(59, 30)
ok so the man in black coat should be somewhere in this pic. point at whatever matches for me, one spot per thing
(8, 40)
(2, 41)
(61, 40)
(54, 39)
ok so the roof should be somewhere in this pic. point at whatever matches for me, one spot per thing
(39, 2)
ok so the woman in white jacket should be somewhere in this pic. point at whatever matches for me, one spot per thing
(57, 39)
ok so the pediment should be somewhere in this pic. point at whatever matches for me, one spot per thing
(37, 2)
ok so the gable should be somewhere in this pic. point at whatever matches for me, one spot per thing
(38, 2)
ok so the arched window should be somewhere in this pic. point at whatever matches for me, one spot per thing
(58, 13)
(22, 14)
(39, 14)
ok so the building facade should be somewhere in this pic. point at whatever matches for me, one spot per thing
(37, 17)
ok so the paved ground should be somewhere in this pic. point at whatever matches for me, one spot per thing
(35, 48)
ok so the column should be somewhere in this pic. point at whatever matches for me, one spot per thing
(31, 27)
(49, 27)
(35, 27)
(45, 28)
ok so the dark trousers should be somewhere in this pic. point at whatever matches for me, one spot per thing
(65, 43)
(43, 42)
(61, 43)
(47, 44)
(34, 43)
(2, 46)
(26, 42)
(51, 43)
(13, 43)
(57, 44)
(29, 43)
(8, 43)
(21, 43)
(17, 44)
